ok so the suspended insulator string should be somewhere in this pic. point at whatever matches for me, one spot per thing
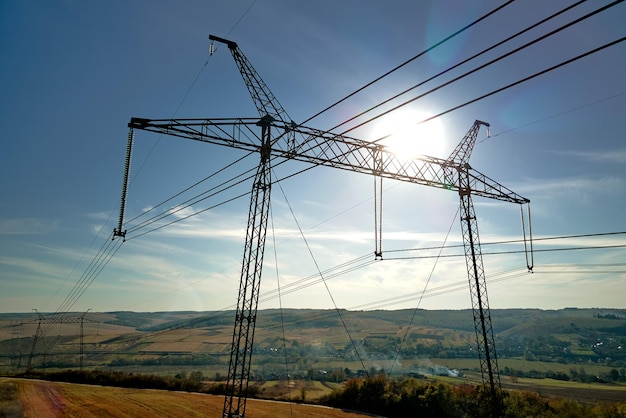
(528, 244)
(410, 60)
(378, 217)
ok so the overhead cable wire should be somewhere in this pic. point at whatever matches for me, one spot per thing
(100, 260)
(465, 61)
(337, 272)
(241, 18)
(83, 278)
(510, 85)
(463, 29)
(178, 108)
(169, 199)
(530, 77)
(517, 241)
(332, 271)
(183, 218)
(555, 115)
(359, 262)
(192, 201)
(541, 250)
(419, 301)
(319, 271)
(533, 76)
(280, 307)
(491, 62)
(86, 251)
(166, 214)
(411, 297)
(316, 279)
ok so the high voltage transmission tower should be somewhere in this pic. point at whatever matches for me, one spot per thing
(281, 138)
(50, 321)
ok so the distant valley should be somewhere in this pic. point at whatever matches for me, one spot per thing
(571, 344)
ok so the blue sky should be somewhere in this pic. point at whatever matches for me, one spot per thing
(74, 73)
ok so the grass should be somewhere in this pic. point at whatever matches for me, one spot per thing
(311, 390)
(10, 406)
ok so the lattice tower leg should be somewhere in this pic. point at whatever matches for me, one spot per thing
(248, 297)
(478, 291)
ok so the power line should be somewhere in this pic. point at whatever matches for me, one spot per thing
(419, 301)
(556, 115)
(537, 74)
(192, 201)
(523, 80)
(145, 212)
(321, 276)
(356, 263)
(517, 241)
(465, 61)
(410, 60)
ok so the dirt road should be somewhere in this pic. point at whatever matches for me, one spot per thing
(40, 399)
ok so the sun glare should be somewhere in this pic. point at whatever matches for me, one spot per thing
(408, 138)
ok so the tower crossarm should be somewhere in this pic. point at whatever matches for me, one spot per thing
(332, 150)
(264, 100)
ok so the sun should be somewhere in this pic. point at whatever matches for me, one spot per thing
(408, 138)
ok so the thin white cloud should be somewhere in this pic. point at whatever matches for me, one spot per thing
(570, 185)
(34, 267)
(616, 156)
(26, 226)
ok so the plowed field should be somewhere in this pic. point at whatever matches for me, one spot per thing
(41, 399)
